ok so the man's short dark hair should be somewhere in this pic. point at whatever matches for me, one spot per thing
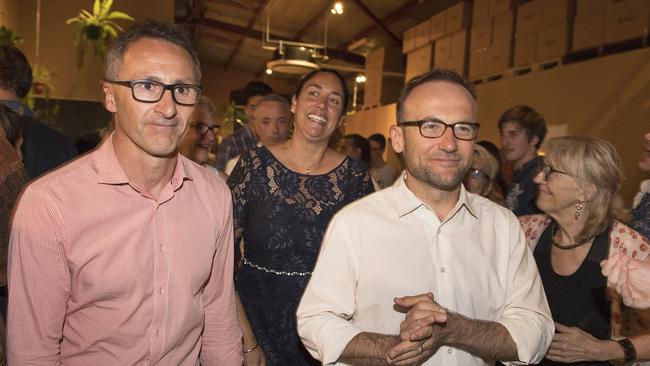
(12, 123)
(154, 29)
(15, 72)
(378, 138)
(360, 142)
(529, 119)
(436, 74)
(256, 88)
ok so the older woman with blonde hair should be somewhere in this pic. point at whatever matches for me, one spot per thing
(481, 177)
(578, 192)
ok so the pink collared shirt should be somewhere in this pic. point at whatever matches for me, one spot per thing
(102, 274)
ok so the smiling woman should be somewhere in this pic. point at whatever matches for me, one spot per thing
(284, 196)
(578, 191)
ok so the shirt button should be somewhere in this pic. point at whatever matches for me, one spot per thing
(449, 350)
(161, 291)
(148, 356)
(443, 270)
(157, 334)
(162, 248)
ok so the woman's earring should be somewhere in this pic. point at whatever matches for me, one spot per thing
(579, 207)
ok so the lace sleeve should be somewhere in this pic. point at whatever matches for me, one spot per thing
(238, 181)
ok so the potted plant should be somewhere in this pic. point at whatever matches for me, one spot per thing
(7, 36)
(41, 85)
(97, 28)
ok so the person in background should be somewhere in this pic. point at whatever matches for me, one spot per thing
(13, 177)
(201, 134)
(43, 148)
(357, 147)
(383, 173)
(481, 177)
(578, 193)
(245, 137)
(522, 131)
(495, 152)
(125, 256)
(455, 263)
(640, 220)
(284, 196)
(271, 121)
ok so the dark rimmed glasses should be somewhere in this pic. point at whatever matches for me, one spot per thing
(150, 91)
(202, 128)
(432, 128)
(547, 170)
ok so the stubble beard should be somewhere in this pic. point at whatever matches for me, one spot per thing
(426, 175)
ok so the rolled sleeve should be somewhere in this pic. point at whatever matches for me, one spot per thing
(39, 282)
(526, 316)
(328, 304)
(222, 335)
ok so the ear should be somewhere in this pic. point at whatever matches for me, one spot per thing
(587, 193)
(109, 98)
(534, 141)
(293, 104)
(397, 138)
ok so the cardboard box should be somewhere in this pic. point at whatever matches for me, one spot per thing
(529, 17)
(625, 19)
(451, 52)
(588, 30)
(422, 34)
(588, 6)
(552, 42)
(502, 28)
(525, 49)
(497, 7)
(419, 61)
(499, 58)
(437, 26)
(556, 12)
(481, 36)
(480, 11)
(457, 17)
(408, 40)
(477, 62)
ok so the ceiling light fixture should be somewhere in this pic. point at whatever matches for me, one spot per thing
(337, 9)
(360, 79)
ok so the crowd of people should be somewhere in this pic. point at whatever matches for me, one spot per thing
(298, 244)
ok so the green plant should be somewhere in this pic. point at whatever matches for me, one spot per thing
(8, 37)
(41, 85)
(97, 28)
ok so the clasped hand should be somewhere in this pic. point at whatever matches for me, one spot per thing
(420, 335)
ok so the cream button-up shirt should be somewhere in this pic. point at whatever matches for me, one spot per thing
(391, 244)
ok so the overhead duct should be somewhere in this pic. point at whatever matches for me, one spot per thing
(292, 59)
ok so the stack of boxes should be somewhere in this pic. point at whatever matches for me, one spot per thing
(491, 37)
(599, 22)
(542, 31)
(378, 89)
(440, 41)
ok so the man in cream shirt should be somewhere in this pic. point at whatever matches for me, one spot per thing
(425, 272)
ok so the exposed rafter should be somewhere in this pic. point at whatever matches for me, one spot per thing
(377, 21)
(390, 18)
(252, 33)
(311, 22)
(251, 23)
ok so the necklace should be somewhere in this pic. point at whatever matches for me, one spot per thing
(307, 168)
(570, 246)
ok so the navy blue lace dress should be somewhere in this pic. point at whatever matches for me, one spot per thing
(281, 216)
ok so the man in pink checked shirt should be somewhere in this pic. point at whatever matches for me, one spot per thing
(125, 256)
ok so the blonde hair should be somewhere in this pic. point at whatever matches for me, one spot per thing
(491, 165)
(591, 162)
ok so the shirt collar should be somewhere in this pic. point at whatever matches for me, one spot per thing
(407, 202)
(109, 170)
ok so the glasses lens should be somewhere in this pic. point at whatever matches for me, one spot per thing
(432, 128)
(475, 173)
(186, 94)
(147, 91)
(465, 131)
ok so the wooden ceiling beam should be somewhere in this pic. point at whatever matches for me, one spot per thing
(377, 21)
(252, 33)
(260, 9)
(390, 18)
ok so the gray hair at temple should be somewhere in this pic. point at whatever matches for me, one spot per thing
(207, 105)
(169, 32)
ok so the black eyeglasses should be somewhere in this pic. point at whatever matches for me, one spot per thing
(202, 128)
(548, 170)
(433, 128)
(475, 173)
(150, 91)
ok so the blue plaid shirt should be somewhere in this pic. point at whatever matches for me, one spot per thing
(236, 144)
